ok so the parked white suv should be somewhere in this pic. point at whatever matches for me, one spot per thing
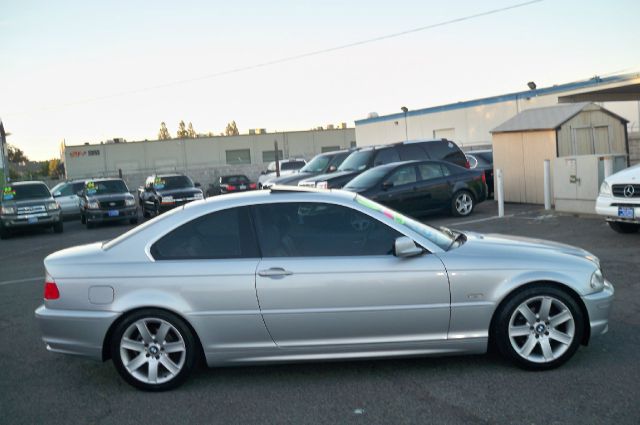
(619, 200)
(287, 167)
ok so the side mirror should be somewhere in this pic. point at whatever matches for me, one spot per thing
(405, 247)
(387, 185)
(332, 168)
(196, 184)
(57, 194)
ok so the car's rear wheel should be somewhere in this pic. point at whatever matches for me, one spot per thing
(462, 203)
(621, 227)
(153, 350)
(539, 328)
(58, 227)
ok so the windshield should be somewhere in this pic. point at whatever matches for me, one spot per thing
(367, 179)
(439, 238)
(357, 161)
(25, 191)
(172, 182)
(105, 187)
(292, 165)
(235, 180)
(317, 164)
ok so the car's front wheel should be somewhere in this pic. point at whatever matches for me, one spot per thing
(539, 328)
(462, 203)
(58, 227)
(153, 350)
(621, 227)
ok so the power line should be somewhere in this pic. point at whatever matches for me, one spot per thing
(294, 57)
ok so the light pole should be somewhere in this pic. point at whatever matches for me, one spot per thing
(4, 163)
(406, 132)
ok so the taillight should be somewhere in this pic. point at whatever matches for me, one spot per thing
(51, 291)
(252, 185)
(484, 177)
(467, 164)
(229, 187)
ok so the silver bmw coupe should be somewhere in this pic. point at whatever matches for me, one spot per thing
(289, 275)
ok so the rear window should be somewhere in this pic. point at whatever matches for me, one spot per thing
(234, 180)
(25, 191)
(445, 150)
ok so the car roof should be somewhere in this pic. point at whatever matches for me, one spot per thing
(169, 175)
(104, 179)
(26, 182)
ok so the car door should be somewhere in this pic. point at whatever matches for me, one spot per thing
(434, 188)
(67, 198)
(328, 277)
(210, 263)
(400, 191)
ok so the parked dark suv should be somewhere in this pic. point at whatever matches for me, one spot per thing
(162, 192)
(107, 199)
(366, 158)
(324, 163)
(28, 204)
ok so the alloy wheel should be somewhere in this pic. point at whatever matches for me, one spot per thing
(464, 203)
(541, 329)
(152, 351)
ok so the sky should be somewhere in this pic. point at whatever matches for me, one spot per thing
(89, 71)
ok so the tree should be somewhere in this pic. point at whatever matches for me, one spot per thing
(191, 132)
(232, 129)
(16, 155)
(53, 168)
(164, 133)
(182, 131)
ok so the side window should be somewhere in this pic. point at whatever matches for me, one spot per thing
(446, 170)
(404, 175)
(386, 156)
(222, 234)
(310, 229)
(412, 151)
(77, 187)
(66, 190)
(431, 171)
(445, 150)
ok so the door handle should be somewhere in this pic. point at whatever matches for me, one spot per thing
(274, 271)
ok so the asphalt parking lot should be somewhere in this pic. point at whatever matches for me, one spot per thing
(601, 384)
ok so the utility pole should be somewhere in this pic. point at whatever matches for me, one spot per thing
(275, 148)
(4, 162)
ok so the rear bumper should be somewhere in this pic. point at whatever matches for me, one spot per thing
(13, 222)
(99, 216)
(598, 307)
(74, 332)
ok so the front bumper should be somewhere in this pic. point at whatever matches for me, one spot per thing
(74, 332)
(99, 216)
(598, 307)
(608, 206)
(41, 220)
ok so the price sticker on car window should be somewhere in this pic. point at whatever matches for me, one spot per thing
(8, 193)
(158, 183)
(91, 188)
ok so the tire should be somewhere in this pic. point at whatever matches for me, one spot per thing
(58, 227)
(83, 219)
(133, 220)
(462, 203)
(4, 232)
(90, 224)
(621, 227)
(145, 213)
(536, 343)
(128, 345)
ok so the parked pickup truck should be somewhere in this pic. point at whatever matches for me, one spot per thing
(28, 204)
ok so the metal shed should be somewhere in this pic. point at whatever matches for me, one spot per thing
(524, 142)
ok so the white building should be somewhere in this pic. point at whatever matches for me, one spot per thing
(469, 123)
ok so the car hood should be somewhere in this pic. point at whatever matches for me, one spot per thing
(110, 197)
(187, 191)
(333, 176)
(628, 175)
(27, 202)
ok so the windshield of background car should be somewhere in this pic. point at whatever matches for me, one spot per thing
(25, 191)
(317, 164)
(172, 182)
(105, 187)
(367, 179)
(357, 161)
(437, 237)
(235, 180)
(292, 165)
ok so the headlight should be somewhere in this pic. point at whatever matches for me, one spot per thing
(167, 199)
(198, 196)
(597, 281)
(8, 210)
(322, 185)
(129, 202)
(52, 206)
(605, 189)
(93, 205)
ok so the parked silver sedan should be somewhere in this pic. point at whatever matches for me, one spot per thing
(304, 275)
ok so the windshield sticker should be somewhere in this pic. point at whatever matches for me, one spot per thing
(91, 188)
(8, 193)
(158, 183)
